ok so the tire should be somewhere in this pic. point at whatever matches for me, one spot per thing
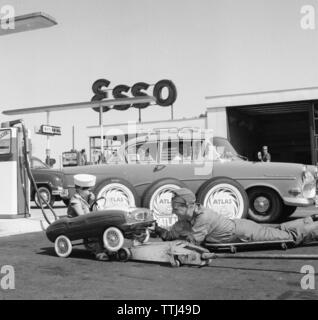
(122, 192)
(63, 246)
(225, 196)
(158, 199)
(124, 254)
(113, 239)
(265, 205)
(46, 193)
(288, 210)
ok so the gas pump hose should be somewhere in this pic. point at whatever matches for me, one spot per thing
(29, 173)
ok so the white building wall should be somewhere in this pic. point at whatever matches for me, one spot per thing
(217, 120)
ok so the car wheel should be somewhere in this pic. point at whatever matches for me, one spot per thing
(225, 196)
(118, 194)
(113, 239)
(124, 254)
(265, 205)
(46, 195)
(63, 246)
(288, 210)
(158, 199)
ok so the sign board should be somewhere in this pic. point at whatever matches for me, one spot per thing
(70, 158)
(5, 141)
(49, 130)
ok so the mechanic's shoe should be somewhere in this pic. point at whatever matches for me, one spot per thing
(314, 217)
(136, 243)
(102, 256)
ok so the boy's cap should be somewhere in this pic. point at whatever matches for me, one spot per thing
(84, 180)
(183, 195)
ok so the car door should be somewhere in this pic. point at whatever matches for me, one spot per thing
(142, 160)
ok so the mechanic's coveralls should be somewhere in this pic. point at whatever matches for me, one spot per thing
(211, 227)
(79, 206)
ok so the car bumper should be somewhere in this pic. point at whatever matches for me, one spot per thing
(299, 202)
(59, 191)
(135, 227)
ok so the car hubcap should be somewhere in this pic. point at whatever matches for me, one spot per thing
(113, 239)
(160, 203)
(117, 196)
(226, 200)
(44, 196)
(261, 204)
(63, 246)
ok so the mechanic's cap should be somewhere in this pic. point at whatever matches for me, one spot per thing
(84, 180)
(183, 195)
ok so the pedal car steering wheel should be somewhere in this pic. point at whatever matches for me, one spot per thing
(95, 206)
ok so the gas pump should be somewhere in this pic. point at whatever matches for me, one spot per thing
(15, 185)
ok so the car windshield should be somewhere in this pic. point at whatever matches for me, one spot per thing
(224, 149)
(38, 164)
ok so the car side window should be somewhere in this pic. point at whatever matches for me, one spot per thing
(176, 151)
(142, 153)
(37, 164)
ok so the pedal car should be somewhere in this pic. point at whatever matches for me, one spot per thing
(110, 226)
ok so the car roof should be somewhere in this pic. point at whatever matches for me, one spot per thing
(153, 137)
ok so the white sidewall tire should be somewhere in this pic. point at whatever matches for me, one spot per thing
(163, 192)
(63, 241)
(119, 238)
(226, 199)
(47, 194)
(117, 190)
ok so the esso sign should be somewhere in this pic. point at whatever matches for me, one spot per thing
(137, 90)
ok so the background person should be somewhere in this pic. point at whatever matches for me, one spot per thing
(80, 204)
(83, 158)
(200, 225)
(266, 157)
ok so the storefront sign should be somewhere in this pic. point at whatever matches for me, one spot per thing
(137, 90)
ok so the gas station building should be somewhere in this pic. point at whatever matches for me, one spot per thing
(284, 120)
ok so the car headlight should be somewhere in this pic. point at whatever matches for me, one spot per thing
(309, 184)
(58, 180)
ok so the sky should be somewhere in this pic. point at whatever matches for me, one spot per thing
(206, 47)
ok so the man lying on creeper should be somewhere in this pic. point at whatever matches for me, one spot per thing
(200, 225)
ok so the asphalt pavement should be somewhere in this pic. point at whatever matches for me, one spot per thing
(40, 274)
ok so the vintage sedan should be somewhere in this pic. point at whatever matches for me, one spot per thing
(148, 168)
(48, 181)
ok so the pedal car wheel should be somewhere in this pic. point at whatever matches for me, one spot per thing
(63, 246)
(113, 239)
(124, 254)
